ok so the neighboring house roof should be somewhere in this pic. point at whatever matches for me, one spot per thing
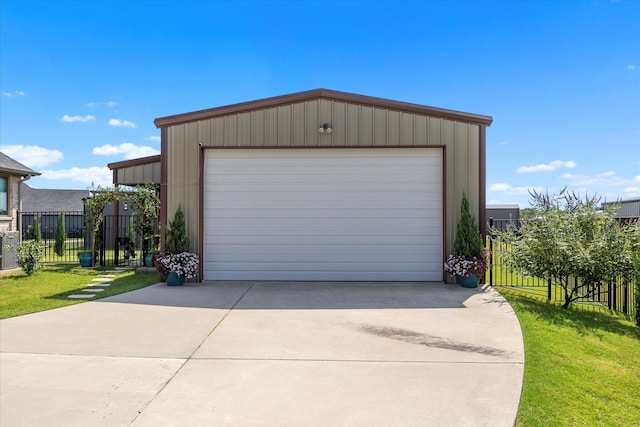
(327, 94)
(14, 167)
(504, 206)
(44, 200)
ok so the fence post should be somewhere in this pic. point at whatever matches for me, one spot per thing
(549, 289)
(490, 251)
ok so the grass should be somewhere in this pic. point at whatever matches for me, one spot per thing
(581, 368)
(49, 288)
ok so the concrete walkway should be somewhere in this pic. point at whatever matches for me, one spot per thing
(267, 354)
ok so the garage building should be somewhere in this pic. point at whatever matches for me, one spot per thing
(322, 185)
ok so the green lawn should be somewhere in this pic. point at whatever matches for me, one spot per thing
(49, 288)
(581, 368)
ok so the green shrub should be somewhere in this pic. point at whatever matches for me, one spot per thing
(34, 230)
(177, 239)
(29, 256)
(61, 236)
(468, 241)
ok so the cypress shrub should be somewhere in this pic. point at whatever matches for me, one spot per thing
(468, 241)
(177, 239)
(61, 236)
(34, 232)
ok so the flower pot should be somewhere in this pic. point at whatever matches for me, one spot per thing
(174, 279)
(469, 281)
(85, 260)
(148, 260)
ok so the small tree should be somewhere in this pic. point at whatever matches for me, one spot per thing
(569, 239)
(468, 240)
(61, 236)
(34, 231)
(177, 239)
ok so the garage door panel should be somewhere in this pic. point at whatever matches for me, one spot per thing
(352, 187)
(336, 239)
(328, 275)
(310, 266)
(323, 214)
(334, 213)
(303, 226)
(251, 199)
(324, 253)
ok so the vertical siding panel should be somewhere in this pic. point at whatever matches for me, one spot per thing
(231, 131)
(420, 130)
(204, 132)
(244, 130)
(434, 126)
(325, 114)
(298, 124)
(393, 128)
(407, 131)
(339, 134)
(284, 126)
(271, 127)
(257, 128)
(312, 112)
(366, 126)
(352, 125)
(217, 132)
(379, 127)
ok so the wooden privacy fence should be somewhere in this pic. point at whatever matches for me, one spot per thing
(619, 296)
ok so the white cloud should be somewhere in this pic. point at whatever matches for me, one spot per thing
(128, 150)
(32, 156)
(67, 118)
(14, 93)
(632, 67)
(109, 104)
(101, 176)
(153, 138)
(121, 123)
(512, 191)
(547, 167)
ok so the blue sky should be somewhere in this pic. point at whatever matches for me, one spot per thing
(82, 81)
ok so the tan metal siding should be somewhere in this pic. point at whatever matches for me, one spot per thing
(183, 180)
(296, 125)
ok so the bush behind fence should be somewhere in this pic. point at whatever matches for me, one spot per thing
(619, 296)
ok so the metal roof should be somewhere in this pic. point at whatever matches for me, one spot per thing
(325, 94)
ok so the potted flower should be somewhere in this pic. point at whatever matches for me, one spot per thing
(469, 259)
(467, 270)
(179, 267)
(177, 263)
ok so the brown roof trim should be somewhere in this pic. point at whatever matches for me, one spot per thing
(321, 93)
(134, 162)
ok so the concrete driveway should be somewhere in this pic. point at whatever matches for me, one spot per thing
(267, 354)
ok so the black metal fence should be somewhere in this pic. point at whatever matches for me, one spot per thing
(116, 243)
(619, 296)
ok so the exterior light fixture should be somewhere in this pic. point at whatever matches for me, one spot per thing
(325, 128)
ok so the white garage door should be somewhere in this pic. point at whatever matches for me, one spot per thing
(323, 214)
